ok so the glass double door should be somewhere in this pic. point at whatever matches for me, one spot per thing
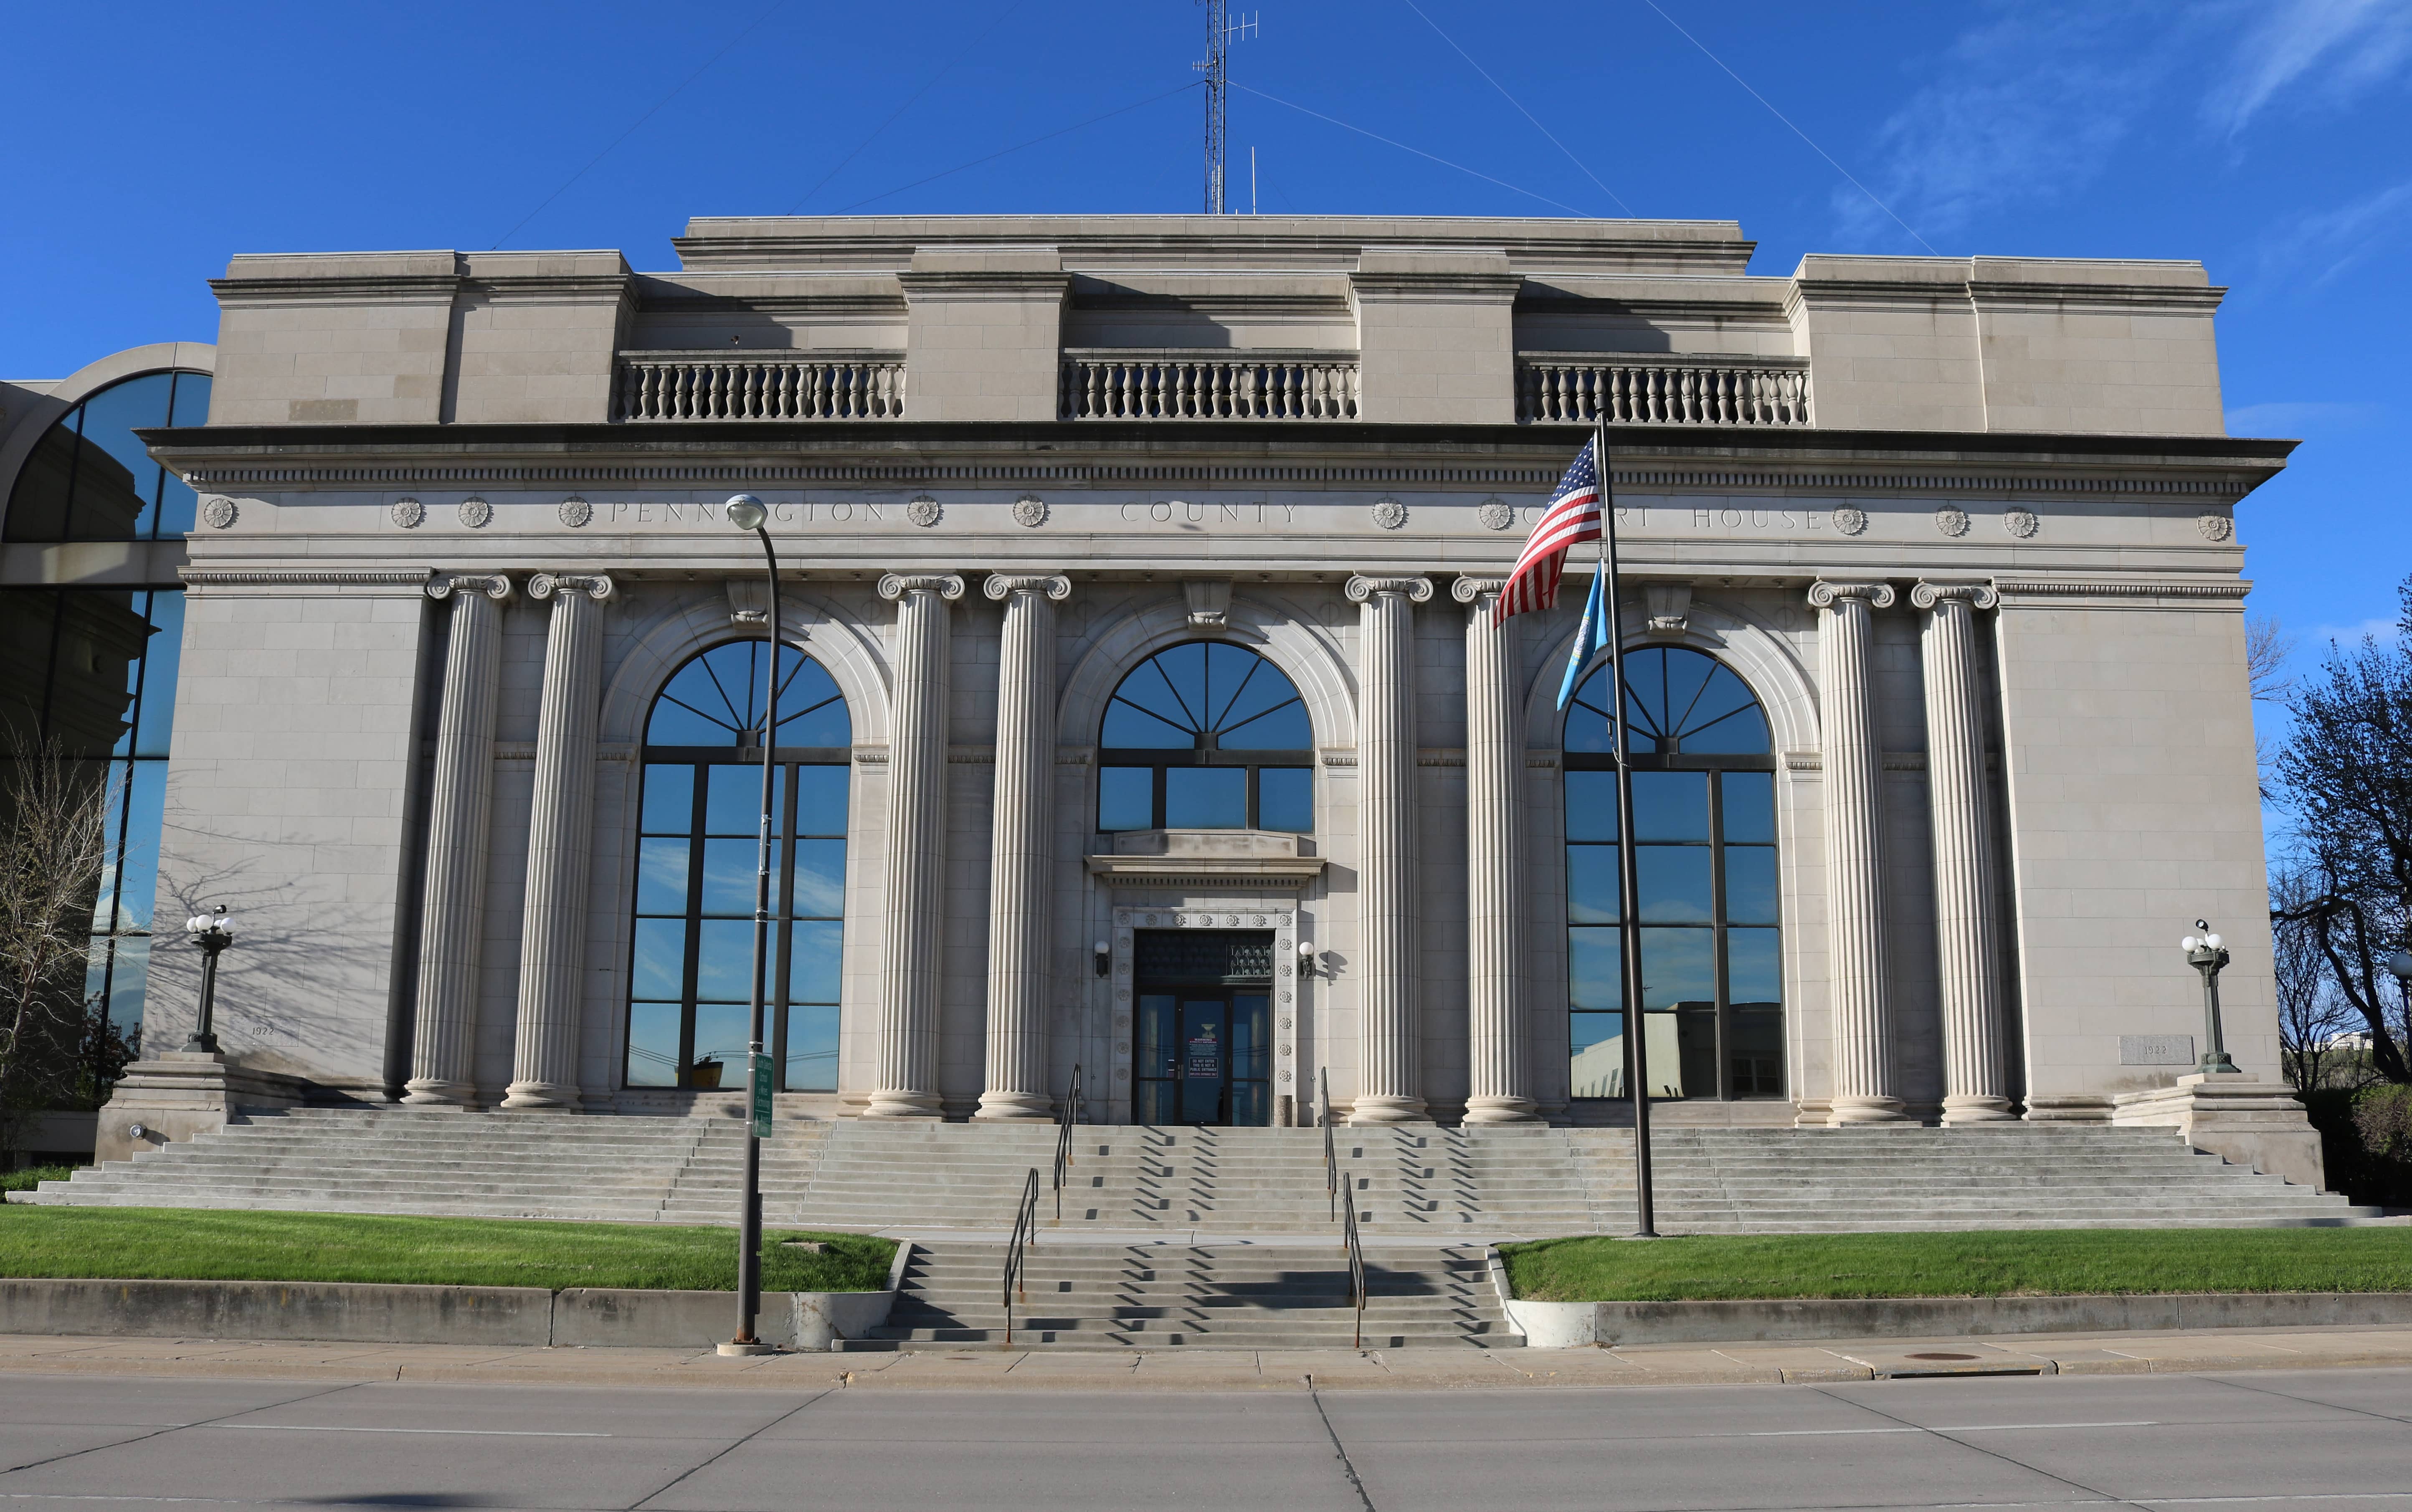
(1204, 1056)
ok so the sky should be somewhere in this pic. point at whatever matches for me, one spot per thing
(2265, 138)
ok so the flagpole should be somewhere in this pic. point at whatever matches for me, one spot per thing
(1637, 1050)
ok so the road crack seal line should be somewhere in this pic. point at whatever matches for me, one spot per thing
(178, 1427)
(1338, 1450)
(2308, 1401)
(665, 1489)
(1946, 1435)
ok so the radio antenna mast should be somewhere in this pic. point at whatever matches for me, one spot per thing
(1221, 31)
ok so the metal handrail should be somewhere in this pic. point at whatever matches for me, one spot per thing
(1065, 1117)
(1351, 1243)
(1025, 1233)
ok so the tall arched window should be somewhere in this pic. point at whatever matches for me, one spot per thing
(690, 983)
(1704, 849)
(1206, 736)
(90, 477)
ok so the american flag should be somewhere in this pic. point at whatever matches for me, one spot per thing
(1571, 519)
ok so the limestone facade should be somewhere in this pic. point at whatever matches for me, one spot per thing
(1963, 527)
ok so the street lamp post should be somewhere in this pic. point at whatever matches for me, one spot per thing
(2206, 954)
(213, 932)
(2399, 966)
(746, 512)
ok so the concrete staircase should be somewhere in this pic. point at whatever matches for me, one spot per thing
(1292, 1296)
(1438, 1187)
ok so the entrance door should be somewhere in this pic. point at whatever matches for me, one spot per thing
(1205, 1041)
(1204, 1057)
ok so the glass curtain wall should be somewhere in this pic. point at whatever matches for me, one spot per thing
(1705, 850)
(690, 972)
(1206, 736)
(89, 478)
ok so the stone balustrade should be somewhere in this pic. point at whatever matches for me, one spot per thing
(759, 386)
(1644, 390)
(1127, 385)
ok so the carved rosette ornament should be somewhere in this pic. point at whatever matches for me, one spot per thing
(574, 513)
(1030, 511)
(476, 513)
(1951, 521)
(923, 511)
(408, 513)
(1495, 513)
(2215, 527)
(218, 512)
(1850, 519)
(1389, 513)
(2022, 524)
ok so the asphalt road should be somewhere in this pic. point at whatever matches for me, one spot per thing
(2328, 1440)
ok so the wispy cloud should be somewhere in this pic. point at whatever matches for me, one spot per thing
(2300, 418)
(2027, 106)
(2343, 47)
(2316, 248)
(2382, 631)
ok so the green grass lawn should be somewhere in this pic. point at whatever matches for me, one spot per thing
(175, 1244)
(2037, 1262)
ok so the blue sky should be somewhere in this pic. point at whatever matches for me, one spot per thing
(2265, 138)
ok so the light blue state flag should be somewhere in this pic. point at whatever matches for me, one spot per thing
(1591, 637)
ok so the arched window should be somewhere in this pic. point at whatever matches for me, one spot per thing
(1206, 736)
(1704, 849)
(90, 477)
(690, 983)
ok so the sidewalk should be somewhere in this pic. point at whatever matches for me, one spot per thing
(1208, 1369)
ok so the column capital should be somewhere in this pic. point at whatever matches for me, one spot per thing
(1878, 595)
(593, 585)
(1001, 586)
(946, 585)
(1467, 590)
(1974, 595)
(494, 586)
(1360, 588)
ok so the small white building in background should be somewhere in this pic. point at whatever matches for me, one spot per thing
(1135, 578)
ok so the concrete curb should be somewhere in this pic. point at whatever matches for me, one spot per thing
(354, 1313)
(1573, 1324)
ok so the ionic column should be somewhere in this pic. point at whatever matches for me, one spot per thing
(1855, 970)
(1499, 1091)
(1020, 850)
(561, 847)
(1975, 1078)
(917, 849)
(443, 1048)
(1390, 1081)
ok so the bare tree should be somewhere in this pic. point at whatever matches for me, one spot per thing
(54, 846)
(2267, 648)
(2311, 1017)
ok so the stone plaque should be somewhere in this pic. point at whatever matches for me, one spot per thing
(2156, 1049)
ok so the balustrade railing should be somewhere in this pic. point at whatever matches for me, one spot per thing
(1017, 1248)
(1641, 390)
(759, 386)
(1209, 386)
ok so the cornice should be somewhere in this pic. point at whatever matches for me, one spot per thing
(424, 288)
(415, 579)
(2095, 593)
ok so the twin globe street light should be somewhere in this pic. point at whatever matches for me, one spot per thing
(213, 932)
(2207, 953)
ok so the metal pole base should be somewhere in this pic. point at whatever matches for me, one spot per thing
(2217, 1063)
(202, 1045)
(1643, 1233)
(748, 1347)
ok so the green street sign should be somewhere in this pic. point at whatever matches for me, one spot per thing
(761, 1099)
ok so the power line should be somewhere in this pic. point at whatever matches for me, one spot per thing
(1020, 145)
(931, 82)
(1404, 148)
(1519, 106)
(1795, 130)
(750, 30)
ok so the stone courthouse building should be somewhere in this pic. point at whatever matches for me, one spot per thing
(1142, 708)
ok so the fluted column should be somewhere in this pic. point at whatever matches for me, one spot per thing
(1020, 850)
(1975, 1078)
(1390, 1082)
(1855, 958)
(917, 848)
(561, 847)
(1498, 1091)
(443, 1048)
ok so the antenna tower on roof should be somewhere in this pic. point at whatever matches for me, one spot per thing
(1221, 32)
